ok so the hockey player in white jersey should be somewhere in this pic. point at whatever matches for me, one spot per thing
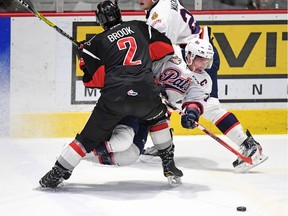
(179, 25)
(171, 18)
(175, 77)
(196, 99)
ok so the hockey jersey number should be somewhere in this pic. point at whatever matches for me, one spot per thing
(130, 44)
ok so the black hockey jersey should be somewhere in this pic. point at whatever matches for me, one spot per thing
(125, 54)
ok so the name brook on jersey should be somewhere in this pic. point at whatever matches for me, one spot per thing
(120, 33)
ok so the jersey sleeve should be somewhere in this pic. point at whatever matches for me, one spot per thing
(94, 75)
(175, 21)
(159, 17)
(96, 80)
(160, 46)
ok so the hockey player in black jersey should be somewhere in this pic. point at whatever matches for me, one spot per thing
(119, 63)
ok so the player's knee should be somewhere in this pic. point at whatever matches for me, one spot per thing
(127, 157)
(122, 138)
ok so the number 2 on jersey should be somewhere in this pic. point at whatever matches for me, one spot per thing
(130, 44)
(187, 15)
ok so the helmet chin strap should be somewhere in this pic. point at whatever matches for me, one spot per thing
(190, 59)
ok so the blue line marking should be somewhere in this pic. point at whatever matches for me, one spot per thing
(5, 38)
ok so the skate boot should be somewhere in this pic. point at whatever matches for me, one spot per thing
(249, 148)
(54, 177)
(150, 154)
(170, 170)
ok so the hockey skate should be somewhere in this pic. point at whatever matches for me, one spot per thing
(54, 177)
(249, 148)
(150, 155)
(172, 173)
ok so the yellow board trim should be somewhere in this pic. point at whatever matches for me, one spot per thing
(257, 121)
(57, 125)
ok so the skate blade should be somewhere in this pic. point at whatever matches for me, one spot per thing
(174, 181)
(50, 189)
(245, 167)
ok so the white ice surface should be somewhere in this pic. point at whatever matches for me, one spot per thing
(209, 185)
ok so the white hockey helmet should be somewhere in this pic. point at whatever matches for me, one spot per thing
(199, 47)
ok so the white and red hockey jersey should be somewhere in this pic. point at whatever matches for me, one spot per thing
(176, 22)
(180, 82)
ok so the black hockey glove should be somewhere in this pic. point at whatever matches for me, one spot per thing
(189, 118)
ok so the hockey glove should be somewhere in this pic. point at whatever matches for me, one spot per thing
(81, 64)
(189, 118)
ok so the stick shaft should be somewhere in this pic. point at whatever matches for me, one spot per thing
(31, 9)
(219, 140)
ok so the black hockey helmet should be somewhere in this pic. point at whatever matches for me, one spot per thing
(108, 14)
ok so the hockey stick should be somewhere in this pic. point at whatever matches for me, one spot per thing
(222, 142)
(31, 9)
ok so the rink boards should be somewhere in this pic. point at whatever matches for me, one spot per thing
(68, 124)
(42, 94)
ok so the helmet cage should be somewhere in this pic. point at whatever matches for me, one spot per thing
(108, 14)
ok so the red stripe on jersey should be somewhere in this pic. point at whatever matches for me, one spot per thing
(219, 120)
(230, 128)
(201, 35)
(159, 50)
(97, 79)
(159, 127)
(77, 148)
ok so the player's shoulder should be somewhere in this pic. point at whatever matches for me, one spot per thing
(165, 3)
(137, 26)
(205, 74)
(177, 58)
(160, 9)
(135, 22)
